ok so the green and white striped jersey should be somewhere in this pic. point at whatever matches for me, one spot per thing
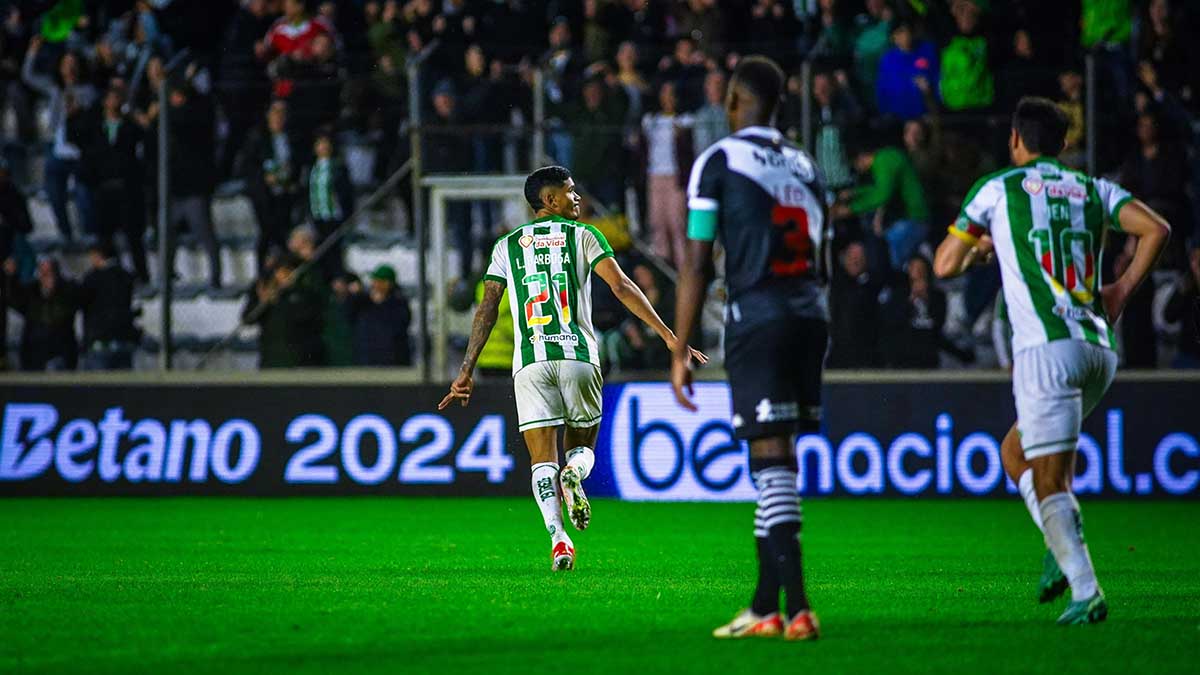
(547, 266)
(1047, 222)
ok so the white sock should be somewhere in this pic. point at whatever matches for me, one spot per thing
(581, 459)
(1064, 534)
(549, 499)
(1025, 485)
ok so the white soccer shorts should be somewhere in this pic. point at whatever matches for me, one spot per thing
(1056, 385)
(551, 393)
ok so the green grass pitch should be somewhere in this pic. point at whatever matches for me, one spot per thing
(464, 585)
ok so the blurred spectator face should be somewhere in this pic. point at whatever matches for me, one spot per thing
(281, 274)
(323, 48)
(301, 243)
(177, 97)
(902, 37)
(47, 274)
(918, 278)
(593, 94)
(293, 10)
(68, 68)
(863, 161)
(1071, 84)
(627, 56)
(966, 16)
(560, 35)
(154, 70)
(714, 88)
(1159, 13)
(381, 290)
(1147, 130)
(684, 51)
(914, 135)
(666, 98)
(876, 8)
(323, 147)
(112, 102)
(256, 7)
(415, 43)
(854, 260)
(443, 105)
(823, 89)
(1022, 45)
(328, 10)
(475, 61)
(644, 278)
(277, 117)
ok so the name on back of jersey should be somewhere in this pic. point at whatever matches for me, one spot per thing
(560, 256)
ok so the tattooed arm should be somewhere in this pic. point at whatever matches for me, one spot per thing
(481, 328)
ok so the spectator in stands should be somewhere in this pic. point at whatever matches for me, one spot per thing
(873, 38)
(596, 122)
(192, 121)
(835, 112)
(316, 96)
(685, 68)
(14, 223)
(290, 315)
(1174, 56)
(1107, 27)
(48, 306)
(381, 318)
(244, 89)
(1157, 172)
(774, 25)
(270, 166)
(330, 198)
(1183, 306)
(1070, 84)
(483, 100)
(14, 40)
(638, 350)
(711, 121)
(68, 91)
(830, 34)
(854, 310)
(106, 297)
(290, 40)
(447, 151)
(912, 319)
(904, 86)
(896, 192)
(631, 79)
(701, 20)
(1024, 74)
(966, 71)
(563, 68)
(667, 144)
(111, 167)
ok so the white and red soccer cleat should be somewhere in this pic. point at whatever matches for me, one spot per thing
(803, 626)
(577, 504)
(747, 624)
(562, 556)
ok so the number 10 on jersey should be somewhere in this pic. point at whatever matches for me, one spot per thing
(539, 293)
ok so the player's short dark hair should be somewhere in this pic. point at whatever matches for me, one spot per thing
(547, 176)
(763, 78)
(1041, 124)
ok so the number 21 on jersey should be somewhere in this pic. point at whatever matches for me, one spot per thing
(539, 285)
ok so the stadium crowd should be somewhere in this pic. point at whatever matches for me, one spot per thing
(910, 104)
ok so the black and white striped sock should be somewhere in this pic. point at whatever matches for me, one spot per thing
(779, 515)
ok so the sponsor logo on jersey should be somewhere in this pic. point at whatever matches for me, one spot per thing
(768, 411)
(555, 338)
(1033, 185)
(1065, 190)
(1073, 312)
(526, 241)
(549, 240)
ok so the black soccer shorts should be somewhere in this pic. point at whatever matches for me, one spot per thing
(774, 370)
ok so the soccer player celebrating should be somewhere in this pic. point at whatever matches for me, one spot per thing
(546, 266)
(1045, 223)
(766, 201)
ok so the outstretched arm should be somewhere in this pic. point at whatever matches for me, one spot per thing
(635, 301)
(481, 328)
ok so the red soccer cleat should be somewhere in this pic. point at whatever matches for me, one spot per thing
(804, 626)
(562, 556)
